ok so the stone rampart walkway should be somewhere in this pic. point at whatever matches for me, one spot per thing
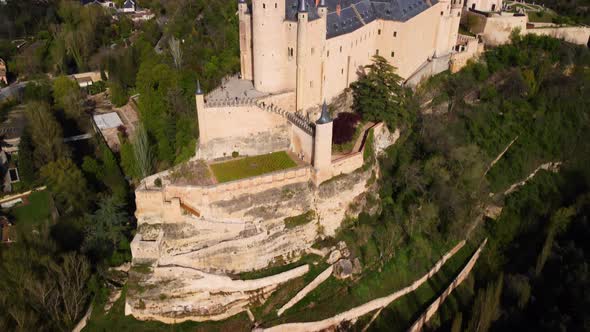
(366, 308)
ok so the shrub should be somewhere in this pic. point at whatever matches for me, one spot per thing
(235, 154)
(302, 219)
(158, 182)
(345, 127)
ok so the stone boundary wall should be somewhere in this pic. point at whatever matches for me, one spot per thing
(355, 160)
(575, 35)
(433, 308)
(470, 49)
(347, 164)
(366, 308)
(496, 29)
(166, 202)
(428, 69)
(308, 288)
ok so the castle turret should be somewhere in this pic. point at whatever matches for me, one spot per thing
(302, 20)
(200, 103)
(456, 9)
(443, 44)
(322, 156)
(245, 40)
(269, 47)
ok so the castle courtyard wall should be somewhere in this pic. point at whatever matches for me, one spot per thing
(302, 144)
(247, 130)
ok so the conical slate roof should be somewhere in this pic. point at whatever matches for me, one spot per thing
(325, 116)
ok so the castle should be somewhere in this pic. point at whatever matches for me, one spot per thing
(296, 57)
(317, 48)
(297, 54)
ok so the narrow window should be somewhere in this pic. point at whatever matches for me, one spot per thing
(328, 54)
(340, 49)
(379, 31)
(395, 34)
(275, 5)
(377, 52)
(311, 84)
(263, 6)
(473, 6)
(312, 51)
(392, 54)
(342, 71)
(441, 13)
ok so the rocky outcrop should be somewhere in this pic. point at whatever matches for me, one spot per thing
(196, 253)
(174, 294)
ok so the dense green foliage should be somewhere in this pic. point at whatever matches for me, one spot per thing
(379, 95)
(536, 90)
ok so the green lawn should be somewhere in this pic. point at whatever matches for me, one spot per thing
(252, 166)
(35, 211)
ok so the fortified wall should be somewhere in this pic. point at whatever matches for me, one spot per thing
(496, 28)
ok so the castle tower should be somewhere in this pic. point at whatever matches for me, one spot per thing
(302, 20)
(322, 156)
(269, 47)
(245, 40)
(456, 9)
(442, 44)
(200, 102)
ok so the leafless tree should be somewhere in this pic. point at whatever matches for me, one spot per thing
(141, 150)
(176, 52)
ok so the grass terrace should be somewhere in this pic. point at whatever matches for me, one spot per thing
(251, 166)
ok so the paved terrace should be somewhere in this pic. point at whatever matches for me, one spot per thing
(234, 88)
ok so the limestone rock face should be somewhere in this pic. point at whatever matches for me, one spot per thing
(384, 139)
(334, 257)
(185, 264)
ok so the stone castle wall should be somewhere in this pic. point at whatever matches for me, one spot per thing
(245, 129)
(496, 29)
(165, 204)
(332, 64)
(470, 48)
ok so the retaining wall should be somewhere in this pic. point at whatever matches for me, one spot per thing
(433, 308)
(165, 204)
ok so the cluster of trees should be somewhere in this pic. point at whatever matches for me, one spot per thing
(65, 39)
(51, 274)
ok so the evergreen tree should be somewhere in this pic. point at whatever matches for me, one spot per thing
(26, 160)
(46, 134)
(67, 184)
(379, 95)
